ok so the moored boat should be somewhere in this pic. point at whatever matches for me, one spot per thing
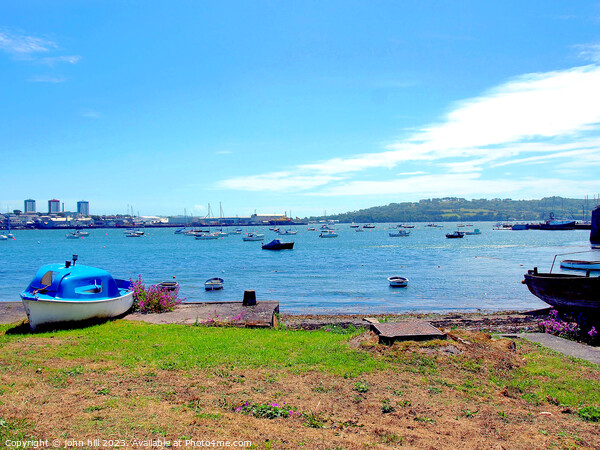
(577, 293)
(328, 234)
(276, 244)
(69, 293)
(398, 281)
(213, 284)
(254, 237)
(578, 264)
(455, 235)
(474, 232)
(400, 233)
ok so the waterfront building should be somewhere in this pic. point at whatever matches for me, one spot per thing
(53, 206)
(29, 206)
(269, 218)
(83, 207)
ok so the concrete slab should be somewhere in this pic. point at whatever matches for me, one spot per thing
(406, 331)
(12, 312)
(564, 346)
(227, 313)
(263, 314)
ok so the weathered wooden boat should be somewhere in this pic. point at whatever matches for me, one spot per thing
(398, 281)
(213, 284)
(69, 293)
(578, 264)
(565, 291)
(276, 244)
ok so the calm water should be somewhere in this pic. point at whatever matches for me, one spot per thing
(347, 274)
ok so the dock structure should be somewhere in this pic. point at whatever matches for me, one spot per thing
(406, 331)
(263, 314)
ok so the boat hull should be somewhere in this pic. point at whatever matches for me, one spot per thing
(398, 281)
(563, 291)
(51, 311)
(580, 265)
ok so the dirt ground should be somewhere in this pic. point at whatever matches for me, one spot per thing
(438, 396)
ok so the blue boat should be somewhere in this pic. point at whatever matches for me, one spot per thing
(276, 244)
(69, 293)
(213, 284)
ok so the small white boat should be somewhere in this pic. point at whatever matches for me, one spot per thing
(577, 264)
(311, 229)
(254, 237)
(213, 284)
(3, 237)
(400, 233)
(359, 230)
(77, 234)
(68, 293)
(134, 234)
(287, 232)
(398, 281)
(207, 236)
(328, 234)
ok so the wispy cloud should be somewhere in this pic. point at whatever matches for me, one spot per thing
(52, 61)
(23, 45)
(91, 114)
(537, 118)
(47, 79)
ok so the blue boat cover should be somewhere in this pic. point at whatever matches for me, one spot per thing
(74, 283)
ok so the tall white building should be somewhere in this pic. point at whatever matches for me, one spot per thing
(53, 206)
(83, 207)
(29, 206)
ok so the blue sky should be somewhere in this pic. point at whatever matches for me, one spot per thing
(321, 106)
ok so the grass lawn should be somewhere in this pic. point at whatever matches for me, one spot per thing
(126, 381)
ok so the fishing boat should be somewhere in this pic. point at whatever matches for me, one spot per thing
(455, 235)
(472, 233)
(213, 284)
(254, 237)
(398, 281)
(368, 225)
(354, 225)
(69, 293)
(400, 233)
(574, 293)
(328, 234)
(276, 244)
(578, 264)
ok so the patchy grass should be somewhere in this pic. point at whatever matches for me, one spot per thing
(292, 389)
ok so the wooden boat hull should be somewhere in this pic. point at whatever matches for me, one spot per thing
(49, 311)
(563, 291)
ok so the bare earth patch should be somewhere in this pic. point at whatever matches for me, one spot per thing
(440, 394)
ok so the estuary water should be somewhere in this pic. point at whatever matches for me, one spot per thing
(347, 274)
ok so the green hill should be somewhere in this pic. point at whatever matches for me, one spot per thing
(452, 209)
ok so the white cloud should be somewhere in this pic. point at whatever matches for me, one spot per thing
(47, 79)
(281, 181)
(22, 45)
(532, 119)
(51, 61)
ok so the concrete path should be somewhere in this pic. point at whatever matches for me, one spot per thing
(263, 314)
(564, 346)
